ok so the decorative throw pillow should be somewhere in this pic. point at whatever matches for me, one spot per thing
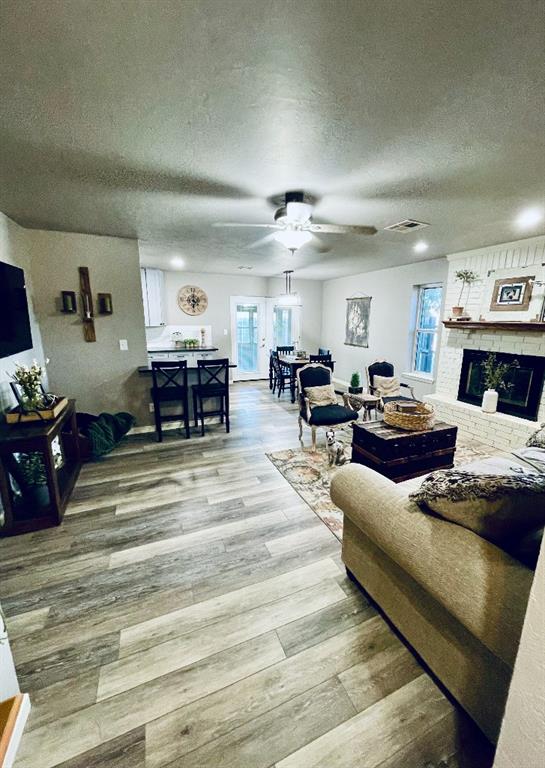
(495, 498)
(537, 440)
(318, 396)
(386, 386)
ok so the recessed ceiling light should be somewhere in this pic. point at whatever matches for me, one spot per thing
(529, 217)
(420, 247)
(177, 261)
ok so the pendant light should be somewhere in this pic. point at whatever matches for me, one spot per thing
(288, 299)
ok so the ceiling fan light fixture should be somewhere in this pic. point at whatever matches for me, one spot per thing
(298, 213)
(292, 238)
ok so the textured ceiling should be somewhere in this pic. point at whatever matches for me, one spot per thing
(154, 119)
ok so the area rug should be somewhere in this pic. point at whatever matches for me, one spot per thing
(308, 473)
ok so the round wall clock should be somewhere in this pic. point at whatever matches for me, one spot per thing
(192, 300)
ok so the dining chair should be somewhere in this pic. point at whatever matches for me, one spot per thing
(169, 387)
(324, 359)
(282, 374)
(213, 382)
(285, 350)
(323, 351)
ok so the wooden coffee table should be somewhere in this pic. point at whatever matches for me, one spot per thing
(400, 455)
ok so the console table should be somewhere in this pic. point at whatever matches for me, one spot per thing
(401, 455)
(25, 510)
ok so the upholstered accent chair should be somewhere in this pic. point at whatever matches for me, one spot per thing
(383, 368)
(318, 375)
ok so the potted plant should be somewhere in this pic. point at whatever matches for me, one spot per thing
(355, 387)
(466, 277)
(33, 478)
(494, 375)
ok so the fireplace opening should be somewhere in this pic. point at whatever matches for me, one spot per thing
(522, 395)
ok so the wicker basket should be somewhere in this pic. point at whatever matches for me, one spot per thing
(421, 419)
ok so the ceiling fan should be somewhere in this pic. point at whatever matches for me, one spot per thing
(294, 226)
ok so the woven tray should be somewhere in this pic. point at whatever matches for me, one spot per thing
(419, 421)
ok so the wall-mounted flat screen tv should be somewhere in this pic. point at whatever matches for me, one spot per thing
(15, 335)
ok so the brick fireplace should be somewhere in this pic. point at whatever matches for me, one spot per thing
(503, 431)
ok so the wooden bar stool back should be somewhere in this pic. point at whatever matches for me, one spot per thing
(169, 387)
(213, 377)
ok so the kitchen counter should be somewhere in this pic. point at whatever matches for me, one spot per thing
(152, 350)
(146, 369)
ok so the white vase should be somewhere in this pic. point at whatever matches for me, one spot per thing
(490, 401)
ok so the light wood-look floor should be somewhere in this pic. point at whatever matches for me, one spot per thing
(193, 612)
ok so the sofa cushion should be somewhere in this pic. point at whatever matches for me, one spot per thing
(496, 498)
(537, 440)
(323, 416)
(319, 396)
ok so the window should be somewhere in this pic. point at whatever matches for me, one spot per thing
(282, 326)
(428, 312)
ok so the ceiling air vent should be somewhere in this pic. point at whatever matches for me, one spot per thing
(407, 225)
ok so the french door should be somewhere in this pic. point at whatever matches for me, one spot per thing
(249, 337)
(259, 324)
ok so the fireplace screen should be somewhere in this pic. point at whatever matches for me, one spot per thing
(524, 384)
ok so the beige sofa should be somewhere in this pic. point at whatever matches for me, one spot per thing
(456, 598)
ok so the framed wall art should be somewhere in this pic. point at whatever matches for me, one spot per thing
(512, 294)
(358, 312)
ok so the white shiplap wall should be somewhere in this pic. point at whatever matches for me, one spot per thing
(499, 430)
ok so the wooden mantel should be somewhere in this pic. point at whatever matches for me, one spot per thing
(495, 325)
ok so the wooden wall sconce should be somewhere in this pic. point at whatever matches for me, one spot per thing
(87, 301)
(105, 306)
(69, 302)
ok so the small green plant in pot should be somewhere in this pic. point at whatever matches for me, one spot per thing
(494, 376)
(32, 478)
(467, 278)
(355, 387)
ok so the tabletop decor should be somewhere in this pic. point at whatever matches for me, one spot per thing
(420, 418)
(33, 402)
(494, 378)
(358, 311)
(466, 277)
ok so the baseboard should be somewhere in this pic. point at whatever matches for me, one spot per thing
(13, 716)
(172, 425)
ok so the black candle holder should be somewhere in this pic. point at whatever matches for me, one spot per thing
(69, 302)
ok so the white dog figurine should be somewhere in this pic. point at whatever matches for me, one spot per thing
(335, 449)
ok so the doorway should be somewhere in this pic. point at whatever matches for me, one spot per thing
(259, 324)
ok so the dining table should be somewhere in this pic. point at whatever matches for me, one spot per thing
(294, 363)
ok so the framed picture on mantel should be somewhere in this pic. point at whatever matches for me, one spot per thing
(513, 294)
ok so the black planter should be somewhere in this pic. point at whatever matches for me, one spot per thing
(355, 390)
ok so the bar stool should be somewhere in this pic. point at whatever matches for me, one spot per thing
(169, 386)
(213, 377)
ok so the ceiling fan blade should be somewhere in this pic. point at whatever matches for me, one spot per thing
(341, 229)
(261, 241)
(318, 245)
(233, 224)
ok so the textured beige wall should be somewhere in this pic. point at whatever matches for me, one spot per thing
(522, 737)
(14, 250)
(99, 375)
